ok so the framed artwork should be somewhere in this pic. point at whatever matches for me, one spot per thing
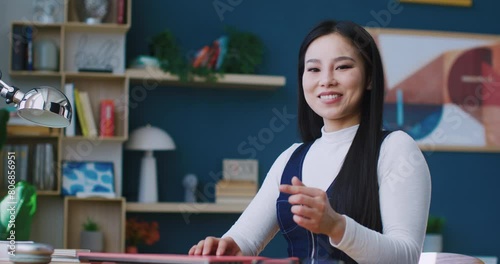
(92, 178)
(442, 88)
(440, 2)
(240, 170)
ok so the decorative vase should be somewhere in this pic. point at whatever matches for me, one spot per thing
(131, 249)
(433, 243)
(46, 55)
(46, 11)
(92, 11)
(93, 240)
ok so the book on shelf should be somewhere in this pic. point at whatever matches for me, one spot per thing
(29, 48)
(80, 113)
(34, 164)
(234, 192)
(120, 11)
(233, 199)
(19, 48)
(89, 115)
(85, 114)
(70, 130)
(20, 153)
(67, 255)
(201, 57)
(107, 120)
(44, 173)
(237, 185)
(22, 160)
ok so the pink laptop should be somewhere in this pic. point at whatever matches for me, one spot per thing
(95, 257)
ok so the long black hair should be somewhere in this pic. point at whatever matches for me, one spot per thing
(356, 187)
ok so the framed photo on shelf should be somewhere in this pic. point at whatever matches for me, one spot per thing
(442, 88)
(240, 170)
(88, 178)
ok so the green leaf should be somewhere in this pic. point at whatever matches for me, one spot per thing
(435, 225)
(17, 210)
(90, 225)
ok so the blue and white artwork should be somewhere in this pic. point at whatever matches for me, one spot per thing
(87, 177)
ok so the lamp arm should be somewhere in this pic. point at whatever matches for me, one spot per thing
(10, 93)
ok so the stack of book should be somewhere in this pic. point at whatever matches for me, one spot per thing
(235, 191)
(67, 255)
(35, 163)
(84, 121)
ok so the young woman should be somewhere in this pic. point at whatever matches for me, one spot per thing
(350, 191)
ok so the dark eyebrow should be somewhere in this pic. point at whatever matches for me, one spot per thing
(341, 58)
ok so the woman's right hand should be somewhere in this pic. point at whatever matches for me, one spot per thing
(216, 246)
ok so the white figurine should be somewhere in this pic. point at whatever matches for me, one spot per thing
(190, 182)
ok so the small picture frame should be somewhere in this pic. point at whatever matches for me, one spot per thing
(88, 178)
(240, 169)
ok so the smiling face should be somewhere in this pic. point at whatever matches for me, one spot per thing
(334, 81)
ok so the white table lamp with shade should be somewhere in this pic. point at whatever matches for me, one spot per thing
(149, 138)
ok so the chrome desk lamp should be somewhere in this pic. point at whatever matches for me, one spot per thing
(44, 106)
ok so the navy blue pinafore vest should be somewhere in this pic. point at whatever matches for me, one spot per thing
(307, 246)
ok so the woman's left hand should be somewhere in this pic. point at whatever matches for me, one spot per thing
(311, 210)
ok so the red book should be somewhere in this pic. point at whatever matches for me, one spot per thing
(120, 12)
(214, 55)
(201, 56)
(107, 123)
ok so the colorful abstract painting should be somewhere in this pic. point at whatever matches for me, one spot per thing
(89, 177)
(442, 88)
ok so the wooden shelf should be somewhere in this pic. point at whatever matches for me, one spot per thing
(48, 193)
(37, 24)
(93, 75)
(34, 137)
(105, 27)
(486, 149)
(185, 207)
(107, 139)
(108, 213)
(34, 73)
(228, 80)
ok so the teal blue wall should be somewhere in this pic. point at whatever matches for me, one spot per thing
(210, 124)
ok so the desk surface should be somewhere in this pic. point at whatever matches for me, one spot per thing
(96, 257)
(436, 258)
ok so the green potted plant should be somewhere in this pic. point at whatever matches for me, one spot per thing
(245, 52)
(434, 234)
(164, 47)
(91, 236)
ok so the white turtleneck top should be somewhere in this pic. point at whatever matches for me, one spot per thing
(404, 189)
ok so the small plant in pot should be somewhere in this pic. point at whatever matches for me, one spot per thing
(434, 234)
(91, 237)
